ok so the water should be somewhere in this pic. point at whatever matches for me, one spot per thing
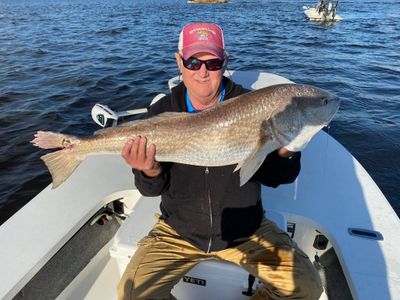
(59, 58)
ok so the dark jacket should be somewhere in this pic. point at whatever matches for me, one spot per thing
(206, 205)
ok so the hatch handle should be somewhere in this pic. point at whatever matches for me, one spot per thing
(366, 233)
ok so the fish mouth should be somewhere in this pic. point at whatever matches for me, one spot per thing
(333, 106)
(334, 103)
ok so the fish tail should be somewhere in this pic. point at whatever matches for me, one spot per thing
(51, 140)
(61, 164)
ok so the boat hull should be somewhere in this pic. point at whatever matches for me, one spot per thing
(332, 195)
(313, 15)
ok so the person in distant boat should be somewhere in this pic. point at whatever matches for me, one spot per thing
(321, 6)
(205, 213)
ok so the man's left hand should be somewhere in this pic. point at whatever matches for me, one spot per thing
(283, 152)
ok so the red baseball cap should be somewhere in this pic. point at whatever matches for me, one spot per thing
(201, 37)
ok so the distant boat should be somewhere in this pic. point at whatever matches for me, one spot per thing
(323, 11)
(208, 1)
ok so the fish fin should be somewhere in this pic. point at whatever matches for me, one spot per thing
(155, 118)
(164, 115)
(103, 131)
(252, 163)
(61, 164)
(238, 166)
(126, 124)
(170, 114)
(167, 115)
(51, 140)
(265, 145)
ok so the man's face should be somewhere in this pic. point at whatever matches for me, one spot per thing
(203, 85)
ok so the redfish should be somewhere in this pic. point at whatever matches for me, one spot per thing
(242, 131)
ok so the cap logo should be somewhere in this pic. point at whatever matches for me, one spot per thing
(202, 33)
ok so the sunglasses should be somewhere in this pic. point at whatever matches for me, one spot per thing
(194, 64)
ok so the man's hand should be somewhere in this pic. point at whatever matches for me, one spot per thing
(134, 153)
(283, 152)
(297, 145)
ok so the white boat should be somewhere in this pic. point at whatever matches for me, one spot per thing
(334, 211)
(323, 11)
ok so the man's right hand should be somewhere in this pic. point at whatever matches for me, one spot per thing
(134, 153)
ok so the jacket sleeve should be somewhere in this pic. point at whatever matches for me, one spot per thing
(277, 170)
(151, 186)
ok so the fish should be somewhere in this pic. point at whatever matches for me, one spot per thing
(239, 131)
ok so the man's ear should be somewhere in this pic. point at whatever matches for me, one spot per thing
(178, 61)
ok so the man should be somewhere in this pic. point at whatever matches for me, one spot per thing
(322, 6)
(205, 212)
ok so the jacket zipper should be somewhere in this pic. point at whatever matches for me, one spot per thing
(207, 171)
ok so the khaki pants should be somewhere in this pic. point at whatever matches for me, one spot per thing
(163, 257)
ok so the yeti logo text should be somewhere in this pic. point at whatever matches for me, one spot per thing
(193, 280)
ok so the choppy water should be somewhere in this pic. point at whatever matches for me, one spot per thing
(59, 58)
